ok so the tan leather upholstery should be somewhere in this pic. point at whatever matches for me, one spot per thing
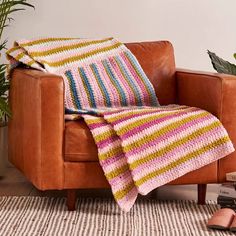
(84, 175)
(158, 62)
(37, 126)
(57, 155)
(79, 143)
(215, 93)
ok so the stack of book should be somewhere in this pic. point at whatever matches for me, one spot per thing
(227, 192)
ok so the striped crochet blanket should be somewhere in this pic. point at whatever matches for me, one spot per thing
(141, 145)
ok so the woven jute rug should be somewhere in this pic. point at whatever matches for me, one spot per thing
(94, 217)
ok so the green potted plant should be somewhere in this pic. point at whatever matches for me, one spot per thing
(222, 66)
(7, 7)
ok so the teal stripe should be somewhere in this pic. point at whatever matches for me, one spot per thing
(116, 82)
(144, 78)
(88, 86)
(73, 89)
(129, 81)
(103, 87)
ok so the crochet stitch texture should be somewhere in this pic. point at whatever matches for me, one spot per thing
(141, 145)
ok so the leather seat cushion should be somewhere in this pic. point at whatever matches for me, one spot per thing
(79, 143)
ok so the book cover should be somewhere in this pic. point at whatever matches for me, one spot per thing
(230, 183)
(227, 191)
(233, 207)
(226, 200)
(231, 176)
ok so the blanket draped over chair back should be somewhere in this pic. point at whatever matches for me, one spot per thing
(141, 145)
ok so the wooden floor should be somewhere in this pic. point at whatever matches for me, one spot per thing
(13, 183)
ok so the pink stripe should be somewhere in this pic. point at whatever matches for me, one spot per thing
(167, 135)
(128, 200)
(107, 141)
(126, 88)
(112, 159)
(80, 87)
(151, 123)
(115, 101)
(97, 125)
(151, 111)
(103, 143)
(164, 159)
(124, 178)
(145, 93)
(94, 84)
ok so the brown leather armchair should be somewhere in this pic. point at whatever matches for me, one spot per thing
(57, 154)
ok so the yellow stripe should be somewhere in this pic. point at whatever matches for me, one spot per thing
(12, 49)
(152, 117)
(99, 85)
(66, 48)
(30, 63)
(112, 81)
(20, 56)
(118, 171)
(80, 57)
(71, 93)
(105, 135)
(162, 131)
(182, 160)
(98, 120)
(85, 88)
(174, 145)
(110, 153)
(124, 191)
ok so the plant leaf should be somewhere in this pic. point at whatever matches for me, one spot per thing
(235, 55)
(4, 108)
(220, 65)
(16, 9)
(3, 45)
(7, 7)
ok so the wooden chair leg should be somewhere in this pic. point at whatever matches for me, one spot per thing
(152, 194)
(201, 191)
(71, 199)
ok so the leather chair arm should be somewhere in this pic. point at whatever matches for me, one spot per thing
(37, 126)
(215, 93)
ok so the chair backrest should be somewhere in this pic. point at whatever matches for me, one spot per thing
(157, 60)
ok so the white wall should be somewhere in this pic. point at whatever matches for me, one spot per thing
(193, 26)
